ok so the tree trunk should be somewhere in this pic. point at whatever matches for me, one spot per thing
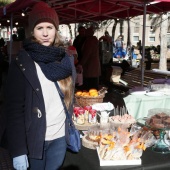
(163, 36)
(70, 31)
(114, 29)
(128, 35)
(128, 47)
(121, 27)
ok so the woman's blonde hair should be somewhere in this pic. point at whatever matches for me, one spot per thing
(66, 84)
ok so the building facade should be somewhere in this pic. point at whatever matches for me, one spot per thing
(136, 31)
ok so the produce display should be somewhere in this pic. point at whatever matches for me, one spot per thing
(85, 98)
(91, 92)
(121, 143)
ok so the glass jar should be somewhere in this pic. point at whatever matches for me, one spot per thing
(92, 116)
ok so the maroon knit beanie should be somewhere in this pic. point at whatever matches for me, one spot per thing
(41, 12)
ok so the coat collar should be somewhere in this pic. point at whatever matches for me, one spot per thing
(27, 66)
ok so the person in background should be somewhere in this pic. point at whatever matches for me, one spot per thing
(3, 47)
(90, 61)
(136, 53)
(119, 48)
(14, 37)
(40, 80)
(139, 46)
(158, 49)
(107, 39)
(79, 41)
(71, 50)
(148, 58)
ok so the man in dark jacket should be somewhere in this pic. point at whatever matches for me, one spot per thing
(79, 41)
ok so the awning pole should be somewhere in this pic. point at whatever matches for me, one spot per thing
(143, 45)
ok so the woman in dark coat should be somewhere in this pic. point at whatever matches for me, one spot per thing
(90, 61)
(39, 81)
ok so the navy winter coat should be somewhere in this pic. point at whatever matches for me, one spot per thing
(25, 105)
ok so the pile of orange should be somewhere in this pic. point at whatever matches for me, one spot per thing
(90, 93)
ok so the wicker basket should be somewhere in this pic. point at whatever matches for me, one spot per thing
(87, 100)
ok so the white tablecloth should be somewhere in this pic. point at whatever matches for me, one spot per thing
(138, 105)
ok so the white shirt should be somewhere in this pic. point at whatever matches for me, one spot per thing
(55, 114)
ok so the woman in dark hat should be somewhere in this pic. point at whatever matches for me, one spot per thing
(39, 81)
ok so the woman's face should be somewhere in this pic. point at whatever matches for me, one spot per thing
(45, 33)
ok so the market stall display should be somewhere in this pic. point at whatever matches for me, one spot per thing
(122, 120)
(123, 147)
(158, 119)
(92, 138)
(84, 115)
(119, 145)
(86, 98)
(99, 140)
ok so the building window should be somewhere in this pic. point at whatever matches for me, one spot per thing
(152, 39)
(136, 38)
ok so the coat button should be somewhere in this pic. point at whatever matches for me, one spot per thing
(21, 65)
(37, 89)
(23, 69)
(16, 58)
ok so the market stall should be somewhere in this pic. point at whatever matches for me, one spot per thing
(113, 139)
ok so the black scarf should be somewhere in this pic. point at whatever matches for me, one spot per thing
(53, 61)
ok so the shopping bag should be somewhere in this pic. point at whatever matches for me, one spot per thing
(74, 143)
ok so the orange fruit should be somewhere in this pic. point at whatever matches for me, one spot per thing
(85, 94)
(79, 93)
(92, 90)
(94, 94)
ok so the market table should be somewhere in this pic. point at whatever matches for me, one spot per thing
(87, 159)
(138, 105)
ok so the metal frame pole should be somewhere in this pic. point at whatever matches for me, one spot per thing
(143, 44)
